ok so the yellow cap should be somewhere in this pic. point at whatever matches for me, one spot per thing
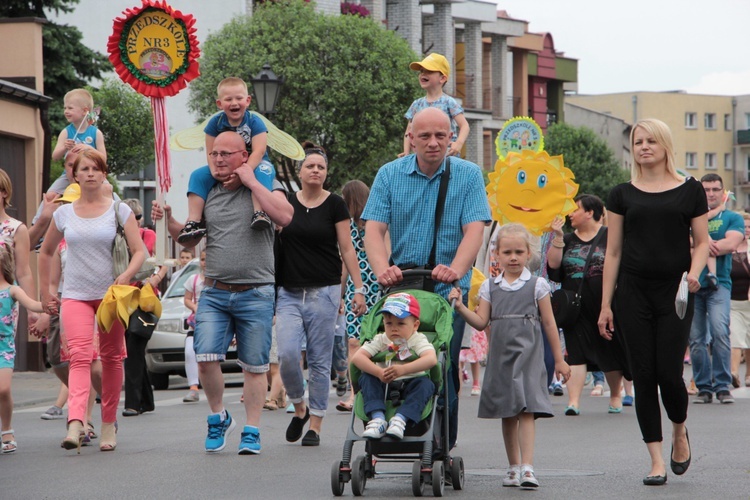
(433, 62)
(71, 194)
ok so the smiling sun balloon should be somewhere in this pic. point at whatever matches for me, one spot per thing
(532, 189)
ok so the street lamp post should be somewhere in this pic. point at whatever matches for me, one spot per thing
(266, 88)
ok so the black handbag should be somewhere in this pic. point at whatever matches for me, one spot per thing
(566, 304)
(426, 283)
(142, 323)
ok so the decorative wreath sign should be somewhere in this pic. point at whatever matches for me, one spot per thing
(154, 49)
(518, 134)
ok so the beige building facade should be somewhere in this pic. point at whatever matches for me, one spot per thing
(24, 140)
(703, 127)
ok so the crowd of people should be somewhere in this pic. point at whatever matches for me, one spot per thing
(320, 259)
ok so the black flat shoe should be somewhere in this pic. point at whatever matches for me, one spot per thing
(129, 412)
(311, 439)
(296, 426)
(655, 480)
(680, 468)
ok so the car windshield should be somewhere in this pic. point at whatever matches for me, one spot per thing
(177, 287)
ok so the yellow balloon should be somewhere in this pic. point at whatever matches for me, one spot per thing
(532, 189)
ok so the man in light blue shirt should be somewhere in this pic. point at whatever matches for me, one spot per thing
(402, 202)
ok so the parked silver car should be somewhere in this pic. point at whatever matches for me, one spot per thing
(165, 352)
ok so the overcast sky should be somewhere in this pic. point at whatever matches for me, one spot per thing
(628, 45)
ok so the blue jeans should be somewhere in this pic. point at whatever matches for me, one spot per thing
(417, 392)
(223, 315)
(459, 325)
(341, 346)
(711, 327)
(309, 315)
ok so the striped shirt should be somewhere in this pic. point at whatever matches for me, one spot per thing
(405, 198)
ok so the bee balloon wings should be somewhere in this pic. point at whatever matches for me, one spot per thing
(278, 140)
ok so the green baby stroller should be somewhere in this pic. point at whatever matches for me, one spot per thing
(419, 442)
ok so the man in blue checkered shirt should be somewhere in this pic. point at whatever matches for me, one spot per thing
(402, 203)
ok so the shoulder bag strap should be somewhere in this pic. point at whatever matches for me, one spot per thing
(442, 193)
(594, 242)
(120, 228)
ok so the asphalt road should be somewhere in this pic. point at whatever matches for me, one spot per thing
(160, 455)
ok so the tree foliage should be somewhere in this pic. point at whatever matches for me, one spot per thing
(68, 63)
(127, 125)
(347, 81)
(587, 155)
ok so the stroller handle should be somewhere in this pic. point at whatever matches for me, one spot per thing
(413, 273)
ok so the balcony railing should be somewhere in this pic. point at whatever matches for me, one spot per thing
(743, 137)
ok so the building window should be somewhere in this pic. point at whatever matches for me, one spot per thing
(691, 120)
(727, 121)
(727, 161)
(747, 120)
(710, 121)
(691, 160)
(710, 161)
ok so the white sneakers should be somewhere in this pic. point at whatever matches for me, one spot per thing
(396, 428)
(376, 428)
(522, 476)
(512, 476)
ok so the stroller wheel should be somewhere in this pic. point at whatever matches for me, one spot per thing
(337, 479)
(417, 480)
(457, 473)
(359, 476)
(438, 480)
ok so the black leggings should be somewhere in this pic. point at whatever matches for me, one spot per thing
(655, 340)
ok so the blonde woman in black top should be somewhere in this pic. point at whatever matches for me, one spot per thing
(651, 219)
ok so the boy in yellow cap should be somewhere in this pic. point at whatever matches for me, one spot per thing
(434, 71)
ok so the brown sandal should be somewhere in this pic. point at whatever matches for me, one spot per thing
(271, 404)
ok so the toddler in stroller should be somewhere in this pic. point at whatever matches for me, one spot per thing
(399, 377)
(399, 373)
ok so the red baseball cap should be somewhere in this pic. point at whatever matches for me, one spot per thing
(401, 305)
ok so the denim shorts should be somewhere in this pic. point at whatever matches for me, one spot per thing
(248, 315)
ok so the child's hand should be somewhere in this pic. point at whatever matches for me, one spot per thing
(563, 370)
(382, 377)
(393, 372)
(69, 144)
(455, 293)
(454, 150)
(401, 155)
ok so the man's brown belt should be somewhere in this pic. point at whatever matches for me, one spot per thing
(230, 287)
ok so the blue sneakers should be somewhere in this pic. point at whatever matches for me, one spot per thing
(250, 441)
(218, 431)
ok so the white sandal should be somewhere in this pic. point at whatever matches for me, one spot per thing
(9, 446)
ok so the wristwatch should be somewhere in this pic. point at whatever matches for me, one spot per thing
(360, 290)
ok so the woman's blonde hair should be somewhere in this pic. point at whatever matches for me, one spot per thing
(7, 187)
(7, 263)
(663, 136)
(135, 206)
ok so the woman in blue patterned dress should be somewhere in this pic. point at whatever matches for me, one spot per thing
(355, 194)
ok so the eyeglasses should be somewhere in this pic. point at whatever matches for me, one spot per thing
(714, 190)
(223, 154)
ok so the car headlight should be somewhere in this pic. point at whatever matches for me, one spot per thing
(170, 325)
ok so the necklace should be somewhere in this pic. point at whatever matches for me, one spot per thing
(311, 203)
